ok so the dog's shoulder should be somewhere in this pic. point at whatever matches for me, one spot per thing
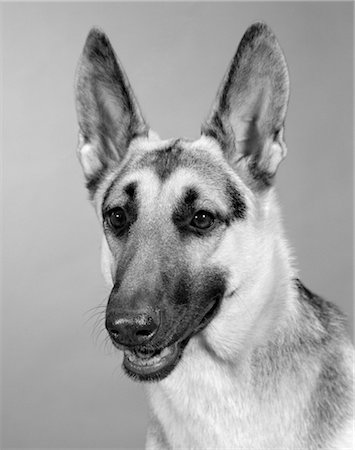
(325, 340)
(329, 322)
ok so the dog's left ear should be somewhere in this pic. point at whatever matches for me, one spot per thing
(249, 113)
(108, 113)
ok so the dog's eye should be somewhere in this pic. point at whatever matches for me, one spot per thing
(202, 220)
(117, 218)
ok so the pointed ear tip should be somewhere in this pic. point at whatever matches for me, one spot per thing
(96, 33)
(260, 28)
(96, 37)
(262, 32)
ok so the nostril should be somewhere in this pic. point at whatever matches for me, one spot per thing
(114, 334)
(144, 333)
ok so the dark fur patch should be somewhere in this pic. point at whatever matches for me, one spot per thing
(182, 216)
(319, 336)
(208, 289)
(130, 207)
(216, 130)
(330, 403)
(109, 190)
(182, 293)
(185, 207)
(261, 178)
(164, 161)
(236, 201)
(191, 196)
(167, 160)
(130, 190)
(212, 285)
(330, 318)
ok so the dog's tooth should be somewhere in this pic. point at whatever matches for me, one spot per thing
(165, 352)
(130, 355)
(143, 360)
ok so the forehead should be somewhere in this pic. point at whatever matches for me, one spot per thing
(169, 165)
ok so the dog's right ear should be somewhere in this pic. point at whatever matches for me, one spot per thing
(108, 113)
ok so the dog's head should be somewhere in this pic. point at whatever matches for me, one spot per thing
(184, 222)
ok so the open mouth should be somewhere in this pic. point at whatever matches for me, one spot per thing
(155, 364)
(151, 365)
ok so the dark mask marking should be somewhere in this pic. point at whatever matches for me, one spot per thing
(182, 290)
(212, 286)
(203, 293)
(184, 212)
(186, 208)
(199, 292)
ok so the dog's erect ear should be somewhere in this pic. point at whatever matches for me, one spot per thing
(248, 116)
(108, 113)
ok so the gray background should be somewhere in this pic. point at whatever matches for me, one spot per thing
(61, 385)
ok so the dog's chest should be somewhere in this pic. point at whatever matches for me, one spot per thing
(194, 412)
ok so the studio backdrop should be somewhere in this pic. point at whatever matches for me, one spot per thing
(62, 384)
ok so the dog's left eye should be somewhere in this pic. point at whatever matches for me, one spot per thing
(117, 218)
(202, 220)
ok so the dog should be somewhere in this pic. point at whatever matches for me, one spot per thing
(235, 352)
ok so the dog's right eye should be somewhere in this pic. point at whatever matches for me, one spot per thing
(117, 219)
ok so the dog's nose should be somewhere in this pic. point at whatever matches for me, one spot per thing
(132, 329)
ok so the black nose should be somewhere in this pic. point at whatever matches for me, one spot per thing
(131, 328)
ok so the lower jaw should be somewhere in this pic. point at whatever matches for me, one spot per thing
(154, 368)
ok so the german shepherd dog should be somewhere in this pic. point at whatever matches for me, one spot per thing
(205, 303)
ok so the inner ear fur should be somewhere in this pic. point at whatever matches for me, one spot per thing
(248, 116)
(108, 113)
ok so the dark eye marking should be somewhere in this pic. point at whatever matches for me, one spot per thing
(131, 189)
(191, 196)
(186, 207)
(118, 219)
(189, 219)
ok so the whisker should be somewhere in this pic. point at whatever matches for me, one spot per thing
(97, 316)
